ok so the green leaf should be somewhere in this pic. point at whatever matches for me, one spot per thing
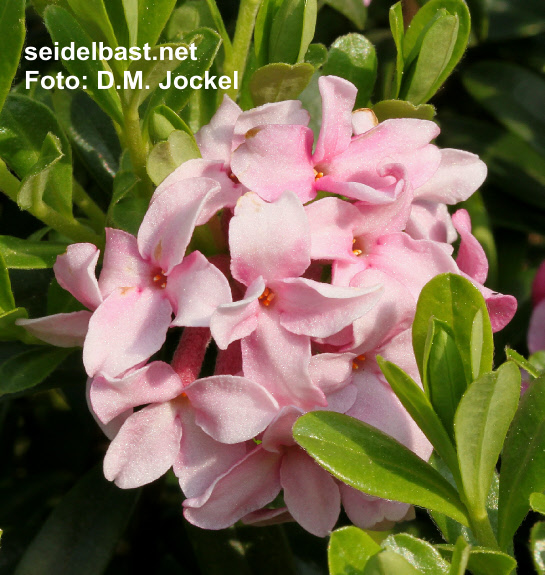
(509, 20)
(7, 302)
(292, 31)
(127, 208)
(455, 301)
(523, 461)
(415, 401)
(537, 546)
(28, 254)
(163, 121)
(481, 423)
(479, 18)
(152, 18)
(522, 362)
(278, 82)
(387, 109)
(460, 557)
(537, 359)
(353, 58)
(165, 157)
(483, 561)
(444, 377)
(388, 562)
(130, 11)
(373, 462)
(12, 37)
(262, 31)
(316, 55)
(420, 554)
(398, 32)
(28, 369)
(537, 502)
(349, 550)
(82, 532)
(208, 43)
(92, 15)
(9, 331)
(64, 29)
(354, 10)
(496, 86)
(24, 127)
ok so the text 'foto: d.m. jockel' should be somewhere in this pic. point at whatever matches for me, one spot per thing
(327, 247)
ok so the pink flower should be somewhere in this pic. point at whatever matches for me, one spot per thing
(536, 331)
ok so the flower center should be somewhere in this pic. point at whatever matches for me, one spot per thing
(233, 178)
(318, 175)
(355, 248)
(357, 362)
(159, 280)
(267, 297)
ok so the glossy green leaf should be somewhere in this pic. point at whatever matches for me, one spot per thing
(481, 423)
(483, 561)
(93, 17)
(387, 109)
(163, 121)
(371, 461)
(522, 362)
(165, 157)
(64, 28)
(28, 369)
(82, 532)
(349, 550)
(537, 359)
(316, 55)
(7, 302)
(387, 562)
(24, 127)
(454, 300)
(127, 208)
(12, 37)
(537, 546)
(398, 32)
(537, 502)
(354, 10)
(419, 553)
(208, 43)
(9, 331)
(292, 31)
(152, 18)
(460, 557)
(418, 405)
(353, 58)
(496, 86)
(28, 254)
(262, 31)
(278, 82)
(523, 461)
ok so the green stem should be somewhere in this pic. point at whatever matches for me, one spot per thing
(482, 529)
(137, 149)
(88, 206)
(241, 42)
(9, 184)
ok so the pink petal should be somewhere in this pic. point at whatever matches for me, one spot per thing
(331, 371)
(501, 307)
(332, 229)
(287, 112)
(338, 99)
(214, 139)
(471, 258)
(127, 329)
(536, 331)
(231, 409)
(236, 320)
(279, 434)
(195, 289)
(317, 309)
(201, 459)
(123, 265)
(246, 487)
(75, 272)
(111, 429)
(177, 209)
(269, 240)
(145, 447)
(538, 286)
(274, 159)
(310, 493)
(363, 120)
(430, 221)
(278, 360)
(341, 400)
(154, 383)
(458, 176)
(265, 517)
(62, 329)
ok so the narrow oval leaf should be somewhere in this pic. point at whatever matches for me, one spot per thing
(163, 121)
(387, 562)
(398, 32)
(278, 82)
(165, 157)
(371, 461)
(460, 557)
(523, 462)
(354, 58)
(537, 546)
(349, 550)
(537, 502)
(455, 301)
(92, 15)
(481, 423)
(420, 554)
(262, 31)
(9, 331)
(152, 18)
(12, 37)
(354, 10)
(483, 561)
(83, 530)
(28, 254)
(7, 302)
(387, 109)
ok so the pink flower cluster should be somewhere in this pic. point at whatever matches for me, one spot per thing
(330, 244)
